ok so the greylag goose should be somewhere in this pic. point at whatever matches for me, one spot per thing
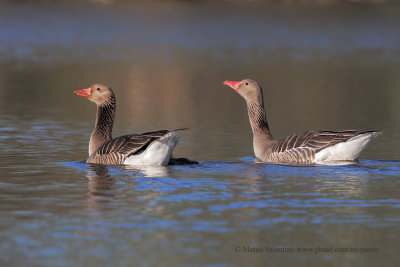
(151, 148)
(321, 147)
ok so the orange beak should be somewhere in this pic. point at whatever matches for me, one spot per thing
(84, 92)
(233, 85)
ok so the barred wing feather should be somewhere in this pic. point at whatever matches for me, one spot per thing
(118, 149)
(302, 147)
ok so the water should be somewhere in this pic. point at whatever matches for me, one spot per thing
(321, 67)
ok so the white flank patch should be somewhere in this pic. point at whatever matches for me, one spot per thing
(157, 153)
(346, 151)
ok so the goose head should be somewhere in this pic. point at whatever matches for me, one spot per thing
(248, 89)
(97, 93)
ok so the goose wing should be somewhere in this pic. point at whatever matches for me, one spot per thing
(116, 150)
(301, 147)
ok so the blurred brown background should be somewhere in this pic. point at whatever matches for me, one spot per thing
(323, 65)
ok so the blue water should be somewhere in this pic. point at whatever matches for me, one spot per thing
(199, 214)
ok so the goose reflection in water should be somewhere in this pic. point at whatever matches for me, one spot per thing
(100, 187)
(149, 171)
(104, 182)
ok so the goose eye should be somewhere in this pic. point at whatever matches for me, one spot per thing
(98, 89)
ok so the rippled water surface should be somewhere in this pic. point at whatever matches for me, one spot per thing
(321, 66)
